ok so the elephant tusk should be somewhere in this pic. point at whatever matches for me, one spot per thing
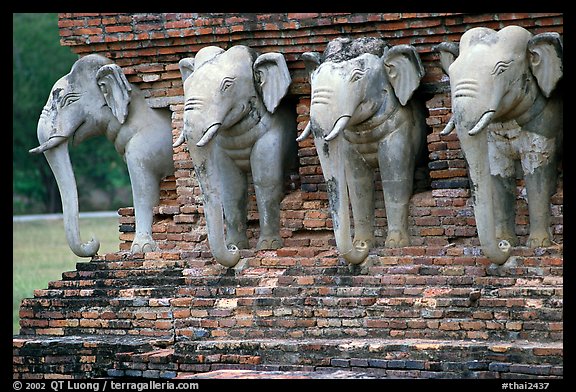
(448, 128)
(304, 133)
(340, 124)
(482, 123)
(48, 144)
(208, 135)
(180, 140)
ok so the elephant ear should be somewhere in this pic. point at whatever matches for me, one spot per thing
(272, 79)
(448, 52)
(405, 70)
(545, 55)
(186, 66)
(311, 61)
(116, 90)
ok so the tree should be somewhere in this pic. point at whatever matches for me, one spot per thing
(38, 62)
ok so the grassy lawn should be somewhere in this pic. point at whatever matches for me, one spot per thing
(41, 254)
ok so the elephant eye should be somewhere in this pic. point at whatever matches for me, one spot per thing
(226, 83)
(69, 99)
(500, 67)
(357, 74)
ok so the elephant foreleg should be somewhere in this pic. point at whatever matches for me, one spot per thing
(268, 176)
(145, 195)
(505, 208)
(234, 188)
(396, 158)
(540, 185)
(360, 180)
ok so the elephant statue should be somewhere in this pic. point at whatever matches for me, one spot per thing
(235, 123)
(507, 111)
(363, 116)
(95, 98)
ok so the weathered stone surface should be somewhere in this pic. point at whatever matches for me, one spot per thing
(503, 125)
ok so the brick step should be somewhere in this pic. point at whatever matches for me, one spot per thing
(119, 274)
(310, 256)
(337, 284)
(91, 356)
(389, 297)
(242, 374)
(378, 269)
(120, 290)
(81, 356)
(340, 295)
(310, 298)
(296, 316)
(417, 354)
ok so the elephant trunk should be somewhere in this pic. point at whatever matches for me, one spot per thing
(335, 174)
(213, 210)
(228, 257)
(59, 160)
(475, 148)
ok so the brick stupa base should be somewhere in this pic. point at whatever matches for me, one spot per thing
(416, 312)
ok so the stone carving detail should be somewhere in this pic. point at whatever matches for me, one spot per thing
(235, 123)
(95, 98)
(363, 116)
(506, 110)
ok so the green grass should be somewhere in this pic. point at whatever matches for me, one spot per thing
(41, 254)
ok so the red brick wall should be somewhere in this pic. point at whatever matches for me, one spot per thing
(149, 46)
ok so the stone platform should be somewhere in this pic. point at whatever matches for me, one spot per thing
(416, 312)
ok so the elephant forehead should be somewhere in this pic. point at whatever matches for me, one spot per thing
(60, 87)
(213, 72)
(236, 59)
(509, 38)
(345, 68)
(329, 71)
(485, 60)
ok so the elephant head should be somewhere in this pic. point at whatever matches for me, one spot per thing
(361, 94)
(231, 123)
(95, 98)
(504, 76)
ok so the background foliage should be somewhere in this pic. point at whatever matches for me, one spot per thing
(38, 61)
(38, 262)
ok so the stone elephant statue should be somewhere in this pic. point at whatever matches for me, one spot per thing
(507, 109)
(363, 116)
(95, 98)
(235, 123)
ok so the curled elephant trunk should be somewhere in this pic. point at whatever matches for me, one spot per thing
(228, 257)
(475, 148)
(213, 210)
(59, 160)
(339, 203)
